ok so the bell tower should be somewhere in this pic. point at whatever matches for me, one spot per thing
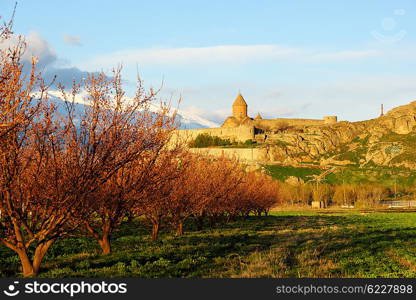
(239, 108)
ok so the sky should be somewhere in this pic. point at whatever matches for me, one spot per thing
(294, 59)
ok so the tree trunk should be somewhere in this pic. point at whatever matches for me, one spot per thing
(155, 231)
(212, 221)
(103, 239)
(179, 228)
(199, 220)
(104, 243)
(40, 252)
(30, 268)
(27, 266)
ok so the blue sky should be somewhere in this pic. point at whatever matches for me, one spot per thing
(289, 58)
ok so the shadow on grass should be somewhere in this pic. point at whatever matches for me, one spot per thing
(347, 239)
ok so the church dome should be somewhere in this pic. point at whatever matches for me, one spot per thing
(239, 108)
(239, 101)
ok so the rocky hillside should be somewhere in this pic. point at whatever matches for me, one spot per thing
(389, 140)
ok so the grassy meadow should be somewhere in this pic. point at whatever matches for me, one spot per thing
(284, 244)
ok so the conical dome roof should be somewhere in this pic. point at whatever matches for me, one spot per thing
(258, 117)
(239, 101)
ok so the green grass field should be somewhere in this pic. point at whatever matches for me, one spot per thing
(285, 244)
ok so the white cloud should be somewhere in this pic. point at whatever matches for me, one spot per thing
(79, 98)
(221, 54)
(73, 40)
(345, 55)
(47, 60)
(36, 46)
(190, 56)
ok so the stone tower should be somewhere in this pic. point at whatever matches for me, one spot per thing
(240, 108)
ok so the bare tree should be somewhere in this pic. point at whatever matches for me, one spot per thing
(115, 199)
(52, 164)
(20, 126)
(152, 200)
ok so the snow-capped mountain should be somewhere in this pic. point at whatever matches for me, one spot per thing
(189, 120)
(186, 119)
(192, 121)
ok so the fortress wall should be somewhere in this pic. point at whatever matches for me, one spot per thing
(238, 134)
(243, 154)
(290, 122)
(330, 119)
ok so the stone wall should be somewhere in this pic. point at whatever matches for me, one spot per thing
(248, 155)
(330, 119)
(290, 122)
(270, 123)
(237, 134)
(267, 124)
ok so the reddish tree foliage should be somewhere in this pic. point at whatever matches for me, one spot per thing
(258, 194)
(213, 189)
(24, 120)
(52, 165)
(152, 201)
(188, 191)
(150, 133)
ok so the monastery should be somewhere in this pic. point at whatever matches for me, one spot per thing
(239, 127)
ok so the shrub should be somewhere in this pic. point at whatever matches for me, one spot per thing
(250, 142)
(206, 140)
